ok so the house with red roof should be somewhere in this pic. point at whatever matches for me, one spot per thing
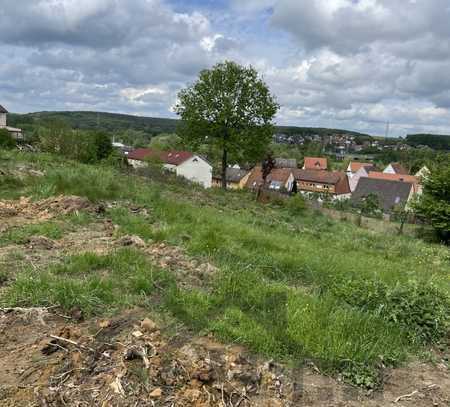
(183, 163)
(315, 163)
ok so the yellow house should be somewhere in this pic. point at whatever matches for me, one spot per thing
(236, 178)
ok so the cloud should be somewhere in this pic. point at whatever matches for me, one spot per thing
(336, 63)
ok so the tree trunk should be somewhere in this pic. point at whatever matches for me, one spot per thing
(224, 168)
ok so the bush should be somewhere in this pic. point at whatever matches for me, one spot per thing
(296, 205)
(420, 308)
(6, 140)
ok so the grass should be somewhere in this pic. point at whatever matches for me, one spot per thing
(292, 283)
(93, 283)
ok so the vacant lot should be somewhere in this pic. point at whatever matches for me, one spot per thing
(316, 295)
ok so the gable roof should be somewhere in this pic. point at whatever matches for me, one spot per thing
(315, 163)
(280, 175)
(389, 192)
(355, 166)
(232, 174)
(321, 176)
(398, 168)
(171, 157)
(2, 109)
(337, 178)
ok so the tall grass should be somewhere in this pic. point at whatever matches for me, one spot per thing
(285, 287)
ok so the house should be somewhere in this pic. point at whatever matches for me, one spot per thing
(397, 177)
(285, 163)
(335, 183)
(16, 133)
(362, 172)
(390, 193)
(395, 168)
(279, 179)
(355, 166)
(183, 163)
(315, 163)
(236, 178)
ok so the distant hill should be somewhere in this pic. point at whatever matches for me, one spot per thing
(118, 123)
(435, 141)
(112, 122)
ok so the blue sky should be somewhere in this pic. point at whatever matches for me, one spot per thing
(353, 64)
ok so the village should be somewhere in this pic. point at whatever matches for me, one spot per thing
(392, 186)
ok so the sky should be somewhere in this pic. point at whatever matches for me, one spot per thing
(352, 64)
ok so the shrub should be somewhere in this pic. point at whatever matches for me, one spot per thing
(6, 140)
(296, 205)
(420, 308)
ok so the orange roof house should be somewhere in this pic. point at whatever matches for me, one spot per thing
(315, 163)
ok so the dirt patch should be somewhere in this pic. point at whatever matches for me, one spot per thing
(130, 360)
(26, 211)
(188, 271)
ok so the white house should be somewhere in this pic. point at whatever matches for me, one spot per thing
(16, 133)
(183, 163)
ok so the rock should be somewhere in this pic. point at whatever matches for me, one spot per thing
(131, 241)
(156, 393)
(147, 325)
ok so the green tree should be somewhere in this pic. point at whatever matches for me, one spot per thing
(103, 145)
(434, 204)
(230, 107)
(6, 140)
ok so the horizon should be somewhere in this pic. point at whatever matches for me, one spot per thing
(133, 58)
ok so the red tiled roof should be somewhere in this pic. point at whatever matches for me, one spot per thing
(396, 177)
(315, 163)
(168, 157)
(355, 165)
(277, 174)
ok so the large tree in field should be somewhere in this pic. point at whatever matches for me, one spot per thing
(230, 108)
(434, 203)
